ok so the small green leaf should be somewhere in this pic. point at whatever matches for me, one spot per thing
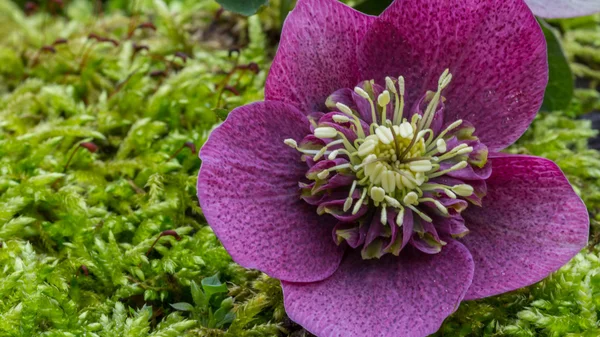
(212, 285)
(198, 295)
(244, 7)
(223, 315)
(559, 91)
(183, 306)
(373, 7)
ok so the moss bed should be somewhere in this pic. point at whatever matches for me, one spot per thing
(103, 107)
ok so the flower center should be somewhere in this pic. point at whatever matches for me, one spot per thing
(393, 165)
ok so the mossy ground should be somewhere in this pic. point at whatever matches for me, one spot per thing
(102, 109)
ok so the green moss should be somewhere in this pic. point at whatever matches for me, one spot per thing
(113, 243)
(100, 243)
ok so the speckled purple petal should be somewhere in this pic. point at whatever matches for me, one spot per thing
(248, 191)
(563, 8)
(317, 53)
(494, 49)
(407, 296)
(531, 224)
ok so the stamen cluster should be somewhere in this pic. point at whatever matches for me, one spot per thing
(390, 163)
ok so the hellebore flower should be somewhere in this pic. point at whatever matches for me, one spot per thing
(563, 8)
(369, 182)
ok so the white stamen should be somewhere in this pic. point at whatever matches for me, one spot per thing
(401, 85)
(392, 202)
(384, 134)
(420, 178)
(441, 145)
(391, 181)
(361, 92)
(450, 128)
(347, 204)
(344, 108)
(377, 194)
(340, 119)
(449, 193)
(384, 98)
(411, 199)
(463, 190)
(323, 175)
(400, 217)
(421, 214)
(325, 132)
(360, 202)
(390, 85)
(456, 167)
(383, 218)
(464, 151)
(333, 155)
(420, 166)
(437, 204)
(291, 143)
(376, 175)
(406, 130)
(366, 148)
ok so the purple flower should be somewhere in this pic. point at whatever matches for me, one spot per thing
(563, 8)
(370, 181)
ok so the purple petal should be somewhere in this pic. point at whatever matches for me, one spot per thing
(453, 225)
(563, 8)
(354, 233)
(531, 224)
(317, 53)
(494, 49)
(426, 238)
(336, 209)
(248, 191)
(343, 96)
(409, 295)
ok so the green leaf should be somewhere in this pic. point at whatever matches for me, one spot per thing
(198, 295)
(244, 7)
(223, 315)
(373, 7)
(559, 91)
(183, 306)
(212, 285)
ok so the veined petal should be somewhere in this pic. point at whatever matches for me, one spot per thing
(494, 49)
(409, 295)
(248, 191)
(531, 224)
(563, 8)
(317, 53)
